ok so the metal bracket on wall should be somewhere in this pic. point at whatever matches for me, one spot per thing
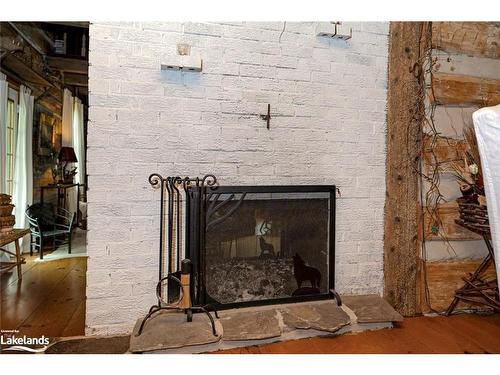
(267, 117)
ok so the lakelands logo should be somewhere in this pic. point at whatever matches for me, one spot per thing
(22, 343)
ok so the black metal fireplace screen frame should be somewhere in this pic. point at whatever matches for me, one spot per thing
(195, 197)
(212, 195)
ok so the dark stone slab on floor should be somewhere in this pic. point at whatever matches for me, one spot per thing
(171, 330)
(90, 345)
(250, 325)
(323, 317)
(371, 308)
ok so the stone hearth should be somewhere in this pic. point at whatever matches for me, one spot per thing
(170, 333)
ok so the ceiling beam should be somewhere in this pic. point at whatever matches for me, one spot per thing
(74, 79)
(25, 72)
(82, 24)
(34, 36)
(68, 65)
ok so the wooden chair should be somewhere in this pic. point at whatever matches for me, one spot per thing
(46, 223)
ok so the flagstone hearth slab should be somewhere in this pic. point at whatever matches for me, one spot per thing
(371, 308)
(323, 317)
(249, 325)
(171, 330)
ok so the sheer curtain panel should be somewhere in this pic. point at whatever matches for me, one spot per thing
(22, 195)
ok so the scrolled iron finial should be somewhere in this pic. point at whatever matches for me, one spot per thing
(177, 180)
(175, 183)
(209, 180)
(155, 180)
(185, 183)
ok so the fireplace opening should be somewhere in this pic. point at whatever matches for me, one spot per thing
(267, 244)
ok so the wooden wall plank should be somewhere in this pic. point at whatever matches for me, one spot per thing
(407, 42)
(447, 229)
(474, 66)
(445, 277)
(470, 38)
(464, 90)
(442, 151)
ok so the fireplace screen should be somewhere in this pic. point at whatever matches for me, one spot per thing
(242, 245)
(268, 243)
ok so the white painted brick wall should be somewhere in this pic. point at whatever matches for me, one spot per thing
(328, 98)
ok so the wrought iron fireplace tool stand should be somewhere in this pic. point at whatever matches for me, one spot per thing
(180, 275)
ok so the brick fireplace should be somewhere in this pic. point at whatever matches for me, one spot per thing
(327, 104)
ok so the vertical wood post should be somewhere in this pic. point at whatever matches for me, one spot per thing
(405, 113)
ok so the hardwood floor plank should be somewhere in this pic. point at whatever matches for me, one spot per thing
(52, 317)
(479, 332)
(76, 325)
(459, 334)
(19, 300)
(50, 300)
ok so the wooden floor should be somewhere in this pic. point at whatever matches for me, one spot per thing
(50, 299)
(423, 335)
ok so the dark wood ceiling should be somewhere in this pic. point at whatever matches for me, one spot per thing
(29, 56)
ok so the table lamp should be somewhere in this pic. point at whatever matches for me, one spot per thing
(66, 155)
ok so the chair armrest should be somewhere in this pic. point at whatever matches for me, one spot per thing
(34, 225)
(63, 226)
(63, 212)
(63, 218)
(67, 216)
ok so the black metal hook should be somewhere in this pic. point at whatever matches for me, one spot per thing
(267, 117)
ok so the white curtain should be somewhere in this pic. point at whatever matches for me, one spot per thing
(67, 141)
(487, 127)
(78, 140)
(75, 140)
(67, 119)
(22, 195)
(4, 93)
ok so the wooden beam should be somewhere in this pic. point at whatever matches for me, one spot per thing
(82, 24)
(15, 65)
(69, 65)
(34, 36)
(464, 90)
(407, 43)
(52, 105)
(470, 38)
(74, 79)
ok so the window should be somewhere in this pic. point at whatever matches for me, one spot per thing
(10, 139)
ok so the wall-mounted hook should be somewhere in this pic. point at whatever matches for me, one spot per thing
(268, 116)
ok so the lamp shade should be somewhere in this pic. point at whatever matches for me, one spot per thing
(67, 154)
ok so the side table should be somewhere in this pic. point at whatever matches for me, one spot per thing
(6, 238)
